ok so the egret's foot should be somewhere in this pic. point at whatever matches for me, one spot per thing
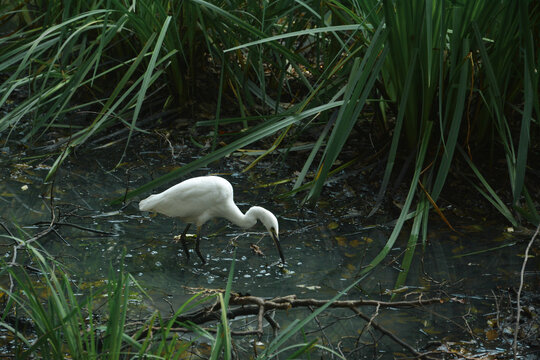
(182, 239)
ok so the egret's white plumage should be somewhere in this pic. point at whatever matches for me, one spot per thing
(199, 199)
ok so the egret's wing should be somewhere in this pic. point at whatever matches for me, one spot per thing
(191, 198)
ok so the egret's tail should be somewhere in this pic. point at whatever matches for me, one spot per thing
(148, 203)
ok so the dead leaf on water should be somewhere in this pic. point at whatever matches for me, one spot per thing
(21, 178)
(367, 240)
(341, 240)
(492, 334)
(42, 167)
(92, 284)
(256, 249)
(432, 331)
(309, 287)
(333, 225)
(355, 243)
(21, 166)
(472, 228)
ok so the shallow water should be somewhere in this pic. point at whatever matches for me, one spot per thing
(325, 246)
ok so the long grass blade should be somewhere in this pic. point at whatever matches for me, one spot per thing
(147, 80)
(358, 88)
(490, 193)
(404, 215)
(395, 137)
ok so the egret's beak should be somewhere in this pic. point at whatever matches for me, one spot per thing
(275, 237)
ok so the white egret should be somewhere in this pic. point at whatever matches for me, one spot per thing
(199, 199)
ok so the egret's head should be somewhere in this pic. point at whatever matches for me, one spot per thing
(270, 222)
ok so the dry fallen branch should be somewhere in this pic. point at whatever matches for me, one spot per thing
(252, 305)
(291, 301)
(257, 306)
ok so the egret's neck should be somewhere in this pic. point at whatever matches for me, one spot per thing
(236, 216)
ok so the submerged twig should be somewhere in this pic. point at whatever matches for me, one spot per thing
(6, 229)
(61, 223)
(386, 332)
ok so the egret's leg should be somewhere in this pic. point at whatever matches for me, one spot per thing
(197, 250)
(183, 239)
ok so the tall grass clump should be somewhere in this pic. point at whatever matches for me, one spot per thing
(59, 320)
(62, 322)
(441, 76)
(50, 317)
(79, 69)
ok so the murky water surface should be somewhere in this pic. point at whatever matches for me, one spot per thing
(325, 246)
